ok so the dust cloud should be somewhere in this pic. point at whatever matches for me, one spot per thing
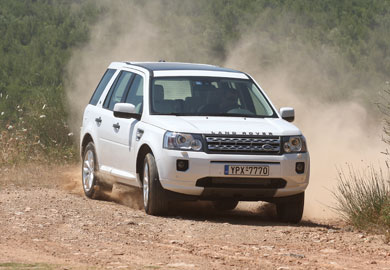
(70, 180)
(125, 195)
(131, 32)
(340, 127)
(339, 132)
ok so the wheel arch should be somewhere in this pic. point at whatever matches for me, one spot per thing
(86, 139)
(144, 149)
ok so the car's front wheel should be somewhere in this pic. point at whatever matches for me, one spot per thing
(155, 202)
(291, 211)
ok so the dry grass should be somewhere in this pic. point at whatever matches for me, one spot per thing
(363, 199)
(36, 133)
(15, 147)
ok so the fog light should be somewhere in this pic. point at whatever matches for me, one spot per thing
(181, 165)
(300, 167)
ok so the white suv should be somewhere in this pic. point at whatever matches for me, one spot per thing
(192, 132)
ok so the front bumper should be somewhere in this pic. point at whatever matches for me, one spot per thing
(211, 167)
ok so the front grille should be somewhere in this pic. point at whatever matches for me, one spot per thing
(264, 145)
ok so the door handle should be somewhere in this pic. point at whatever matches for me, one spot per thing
(116, 126)
(98, 120)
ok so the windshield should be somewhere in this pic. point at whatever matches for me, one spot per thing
(197, 96)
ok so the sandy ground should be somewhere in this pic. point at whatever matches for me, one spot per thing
(45, 218)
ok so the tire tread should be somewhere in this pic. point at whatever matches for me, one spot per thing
(158, 204)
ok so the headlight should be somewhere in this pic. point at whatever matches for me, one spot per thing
(294, 144)
(182, 141)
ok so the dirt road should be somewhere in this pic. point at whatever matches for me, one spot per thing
(45, 218)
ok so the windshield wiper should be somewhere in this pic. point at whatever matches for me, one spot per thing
(232, 115)
(176, 114)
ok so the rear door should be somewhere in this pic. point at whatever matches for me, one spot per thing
(92, 115)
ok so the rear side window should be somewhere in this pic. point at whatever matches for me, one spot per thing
(102, 85)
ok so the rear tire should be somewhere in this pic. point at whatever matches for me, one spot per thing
(155, 202)
(292, 210)
(225, 205)
(91, 186)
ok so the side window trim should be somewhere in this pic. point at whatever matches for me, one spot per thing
(124, 97)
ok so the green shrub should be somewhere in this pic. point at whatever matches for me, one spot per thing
(363, 198)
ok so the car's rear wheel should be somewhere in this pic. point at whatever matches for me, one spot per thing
(155, 202)
(90, 181)
(291, 211)
(225, 205)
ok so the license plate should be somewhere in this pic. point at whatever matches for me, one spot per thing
(247, 170)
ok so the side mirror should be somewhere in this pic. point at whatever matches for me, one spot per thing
(287, 114)
(126, 110)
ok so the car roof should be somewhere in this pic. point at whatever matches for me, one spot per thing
(160, 66)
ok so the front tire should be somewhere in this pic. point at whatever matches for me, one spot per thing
(155, 202)
(292, 210)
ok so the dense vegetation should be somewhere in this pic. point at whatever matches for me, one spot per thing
(36, 42)
(38, 38)
(357, 28)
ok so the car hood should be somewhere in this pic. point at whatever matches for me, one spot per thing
(224, 125)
